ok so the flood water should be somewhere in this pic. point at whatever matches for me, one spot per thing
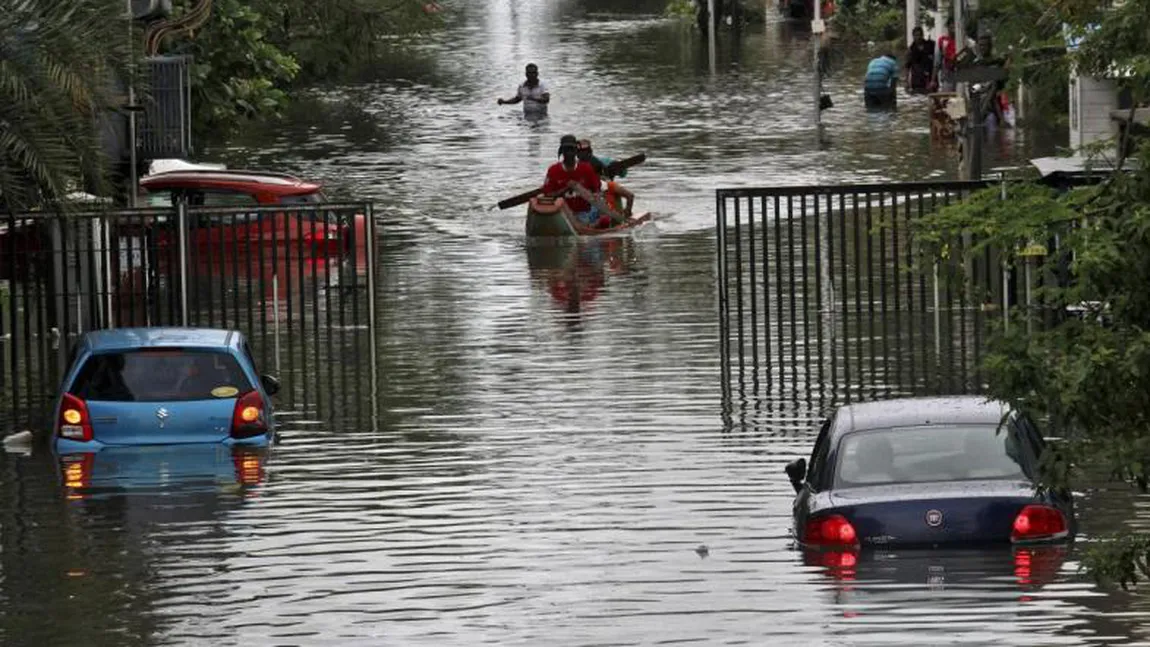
(549, 460)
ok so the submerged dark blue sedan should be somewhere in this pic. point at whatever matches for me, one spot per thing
(926, 472)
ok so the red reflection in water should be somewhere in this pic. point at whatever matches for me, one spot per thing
(840, 565)
(1035, 567)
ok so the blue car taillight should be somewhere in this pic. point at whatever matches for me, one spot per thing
(829, 530)
(250, 416)
(73, 422)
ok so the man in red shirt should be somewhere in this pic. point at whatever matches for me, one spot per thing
(570, 170)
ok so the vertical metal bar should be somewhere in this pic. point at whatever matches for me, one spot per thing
(896, 253)
(754, 287)
(14, 309)
(292, 252)
(236, 260)
(869, 234)
(819, 291)
(319, 399)
(263, 287)
(791, 281)
(276, 324)
(766, 271)
(739, 287)
(721, 274)
(806, 281)
(369, 240)
(858, 286)
(249, 278)
(922, 296)
(959, 261)
(276, 272)
(884, 311)
(779, 310)
(832, 333)
(300, 255)
(182, 244)
(910, 312)
(224, 321)
(844, 292)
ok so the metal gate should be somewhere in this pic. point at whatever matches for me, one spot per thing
(821, 291)
(300, 281)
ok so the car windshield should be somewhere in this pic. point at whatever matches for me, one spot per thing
(928, 453)
(161, 374)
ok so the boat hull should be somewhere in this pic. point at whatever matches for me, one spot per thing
(554, 219)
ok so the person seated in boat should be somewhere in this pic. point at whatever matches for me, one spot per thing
(618, 197)
(586, 154)
(569, 172)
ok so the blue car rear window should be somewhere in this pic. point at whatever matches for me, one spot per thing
(160, 375)
(929, 453)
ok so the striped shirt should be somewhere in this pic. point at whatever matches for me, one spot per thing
(881, 73)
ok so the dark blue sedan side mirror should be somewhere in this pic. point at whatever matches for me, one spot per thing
(797, 471)
(271, 384)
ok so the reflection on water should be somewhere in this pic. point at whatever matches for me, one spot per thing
(551, 446)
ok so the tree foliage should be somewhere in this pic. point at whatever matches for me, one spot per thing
(251, 53)
(1085, 367)
(60, 66)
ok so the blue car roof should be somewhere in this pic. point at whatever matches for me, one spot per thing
(132, 338)
(905, 412)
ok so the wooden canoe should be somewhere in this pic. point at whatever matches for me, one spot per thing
(551, 217)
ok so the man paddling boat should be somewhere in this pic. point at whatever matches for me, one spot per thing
(571, 172)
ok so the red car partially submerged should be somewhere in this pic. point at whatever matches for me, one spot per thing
(213, 186)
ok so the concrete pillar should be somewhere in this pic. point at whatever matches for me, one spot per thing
(911, 18)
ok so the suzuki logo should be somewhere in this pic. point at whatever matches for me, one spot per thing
(162, 414)
(934, 518)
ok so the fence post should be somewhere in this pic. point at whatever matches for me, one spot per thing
(369, 250)
(937, 321)
(182, 242)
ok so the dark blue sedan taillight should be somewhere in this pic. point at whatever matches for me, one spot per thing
(829, 530)
(1039, 523)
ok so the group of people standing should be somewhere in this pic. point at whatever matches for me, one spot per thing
(929, 66)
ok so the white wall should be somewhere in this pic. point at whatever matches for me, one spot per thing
(1091, 101)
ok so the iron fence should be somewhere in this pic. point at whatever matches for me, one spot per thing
(821, 292)
(299, 280)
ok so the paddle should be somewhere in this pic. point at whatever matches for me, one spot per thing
(612, 168)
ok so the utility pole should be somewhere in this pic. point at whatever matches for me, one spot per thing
(711, 45)
(817, 30)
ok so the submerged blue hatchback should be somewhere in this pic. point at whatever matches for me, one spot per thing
(926, 472)
(162, 386)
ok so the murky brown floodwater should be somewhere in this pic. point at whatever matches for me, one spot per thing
(551, 446)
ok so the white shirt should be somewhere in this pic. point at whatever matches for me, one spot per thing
(531, 97)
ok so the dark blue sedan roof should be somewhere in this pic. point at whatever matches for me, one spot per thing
(131, 338)
(904, 412)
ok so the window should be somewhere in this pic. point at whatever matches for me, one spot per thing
(220, 198)
(930, 453)
(160, 199)
(816, 469)
(160, 374)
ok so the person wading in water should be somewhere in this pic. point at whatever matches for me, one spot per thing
(533, 93)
